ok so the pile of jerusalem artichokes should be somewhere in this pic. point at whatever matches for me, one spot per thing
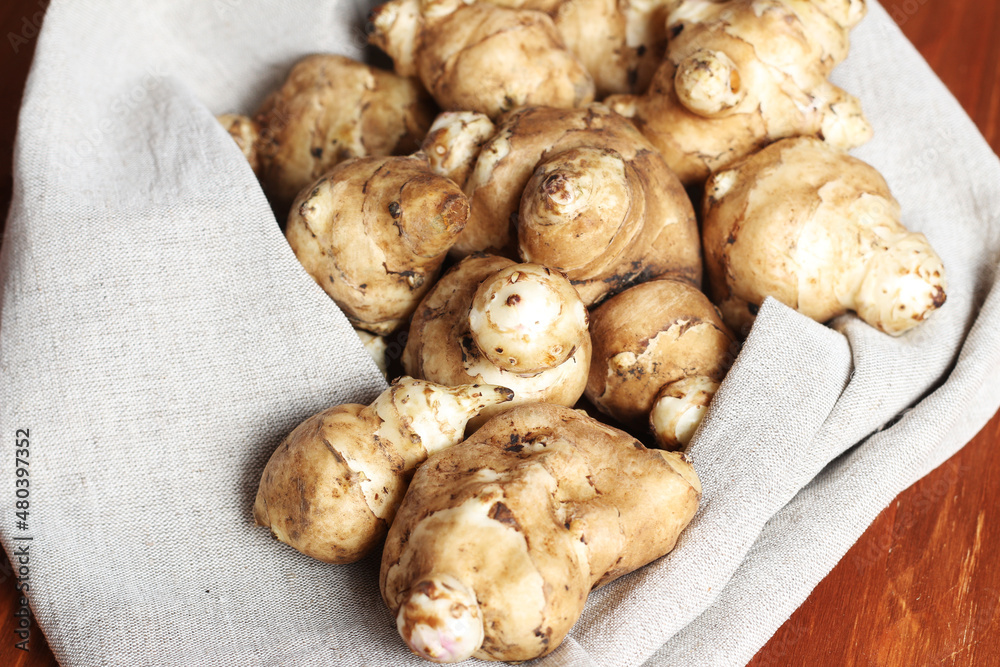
(537, 250)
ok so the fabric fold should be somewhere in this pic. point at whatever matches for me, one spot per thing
(158, 337)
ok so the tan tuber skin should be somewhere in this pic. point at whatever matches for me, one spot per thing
(741, 74)
(373, 233)
(490, 320)
(581, 191)
(246, 133)
(501, 538)
(820, 231)
(660, 352)
(332, 487)
(329, 109)
(454, 141)
(479, 56)
(620, 42)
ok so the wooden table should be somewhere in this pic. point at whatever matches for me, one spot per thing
(922, 586)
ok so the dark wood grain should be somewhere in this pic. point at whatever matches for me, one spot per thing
(922, 586)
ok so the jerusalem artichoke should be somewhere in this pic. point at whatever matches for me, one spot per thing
(500, 538)
(580, 190)
(329, 109)
(660, 352)
(620, 42)
(332, 487)
(478, 56)
(373, 233)
(741, 74)
(488, 319)
(820, 231)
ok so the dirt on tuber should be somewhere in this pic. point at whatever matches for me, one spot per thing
(332, 487)
(819, 230)
(739, 75)
(373, 233)
(501, 538)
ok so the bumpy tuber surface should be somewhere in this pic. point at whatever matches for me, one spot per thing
(333, 485)
(741, 74)
(501, 538)
(373, 233)
(581, 191)
(246, 133)
(488, 319)
(820, 231)
(454, 141)
(478, 56)
(620, 42)
(660, 352)
(329, 109)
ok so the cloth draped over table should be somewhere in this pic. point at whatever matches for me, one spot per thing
(159, 338)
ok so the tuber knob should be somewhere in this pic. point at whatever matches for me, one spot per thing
(679, 408)
(708, 83)
(902, 286)
(439, 620)
(527, 318)
(580, 209)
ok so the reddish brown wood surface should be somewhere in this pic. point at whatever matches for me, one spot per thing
(922, 586)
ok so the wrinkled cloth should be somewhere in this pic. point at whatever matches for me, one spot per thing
(158, 338)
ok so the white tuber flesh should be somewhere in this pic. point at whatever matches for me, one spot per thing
(820, 231)
(332, 487)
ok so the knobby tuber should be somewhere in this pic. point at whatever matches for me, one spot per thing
(333, 485)
(581, 191)
(820, 231)
(741, 74)
(488, 319)
(477, 56)
(329, 109)
(454, 141)
(373, 233)
(660, 352)
(620, 42)
(500, 538)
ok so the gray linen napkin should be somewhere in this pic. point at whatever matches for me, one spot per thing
(159, 338)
